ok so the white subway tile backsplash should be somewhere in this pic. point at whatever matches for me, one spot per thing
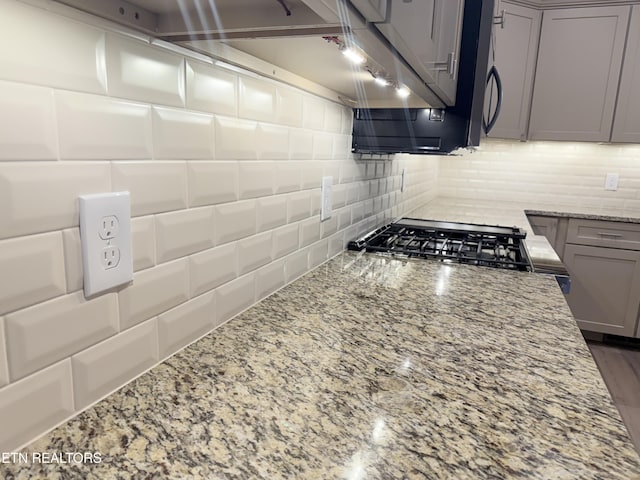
(183, 232)
(254, 252)
(288, 106)
(341, 147)
(285, 240)
(4, 369)
(296, 264)
(300, 144)
(155, 186)
(234, 221)
(235, 296)
(299, 206)
(143, 72)
(333, 118)
(288, 176)
(269, 279)
(344, 217)
(318, 253)
(107, 366)
(38, 47)
(72, 259)
(212, 268)
(312, 174)
(51, 331)
(211, 89)
(212, 182)
(313, 110)
(309, 231)
(257, 99)
(32, 270)
(153, 291)
(35, 404)
(143, 242)
(94, 127)
(37, 197)
(322, 146)
(182, 135)
(347, 121)
(271, 212)
(257, 179)
(236, 139)
(338, 195)
(329, 226)
(27, 123)
(336, 244)
(272, 142)
(316, 201)
(185, 323)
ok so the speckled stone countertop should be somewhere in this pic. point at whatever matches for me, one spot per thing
(607, 215)
(367, 368)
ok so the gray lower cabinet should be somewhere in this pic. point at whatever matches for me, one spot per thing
(605, 288)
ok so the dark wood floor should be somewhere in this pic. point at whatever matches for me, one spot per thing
(620, 368)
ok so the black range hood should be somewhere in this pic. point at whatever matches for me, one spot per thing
(436, 131)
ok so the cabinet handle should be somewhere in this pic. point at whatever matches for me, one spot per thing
(449, 66)
(609, 234)
(500, 19)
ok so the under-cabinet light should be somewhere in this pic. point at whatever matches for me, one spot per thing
(382, 81)
(353, 55)
(403, 92)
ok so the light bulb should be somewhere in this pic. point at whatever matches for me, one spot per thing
(403, 92)
(381, 81)
(353, 55)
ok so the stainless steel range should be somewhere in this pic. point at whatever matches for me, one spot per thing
(483, 245)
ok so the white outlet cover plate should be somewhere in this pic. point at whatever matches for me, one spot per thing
(611, 181)
(95, 210)
(326, 202)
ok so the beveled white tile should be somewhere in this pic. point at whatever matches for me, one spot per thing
(341, 147)
(56, 185)
(322, 146)
(143, 242)
(344, 217)
(288, 176)
(257, 99)
(312, 174)
(254, 252)
(153, 291)
(144, 72)
(32, 270)
(338, 196)
(103, 128)
(288, 106)
(51, 331)
(285, 240)
(329, 227)
(333, 118)
(296, 264)
(155, 186)
(234, 221)
(357, 212)
(212, 182)
(235, 296)
(182, 135)
(300, 144)
(318, 253)
(183, 232)
(271, 212)
(111, 364)
(24, 413)
(211, 89)
(185, 323)
(347, 121)
(309, 231)
(316, 200)
(236, 139)
(27, 123)
(299, 206)
(256, 179)
(269, 279)
(52, 50)
(313, 112)
(212, 268)
(336, 244)
(353, 190)
(272, 142)
(4, 369)
(331, 168)
(72, 259)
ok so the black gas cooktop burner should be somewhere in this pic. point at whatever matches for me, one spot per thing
(484, 245)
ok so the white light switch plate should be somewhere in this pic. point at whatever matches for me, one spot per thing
(325, 209)
(105, 234)
(611, 181)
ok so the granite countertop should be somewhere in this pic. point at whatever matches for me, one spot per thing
(367, 367)
(610, 215)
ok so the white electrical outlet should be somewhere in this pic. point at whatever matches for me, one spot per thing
(105, 234)
(326, 202)
(611, 181)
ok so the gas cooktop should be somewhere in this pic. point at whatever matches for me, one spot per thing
(483, 245)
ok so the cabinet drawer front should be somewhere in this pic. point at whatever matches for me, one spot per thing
(604, 234)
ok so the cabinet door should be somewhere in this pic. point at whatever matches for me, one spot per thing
(371, 10)
(516, 49)
(605, 288)
(547, 226)
(577, 74)
(626, 125)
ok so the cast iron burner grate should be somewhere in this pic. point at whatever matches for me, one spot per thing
(483, 245)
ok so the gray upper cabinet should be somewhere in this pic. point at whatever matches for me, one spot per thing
(371, 10)
(516, 48)
(579, 63)
(626, 125)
